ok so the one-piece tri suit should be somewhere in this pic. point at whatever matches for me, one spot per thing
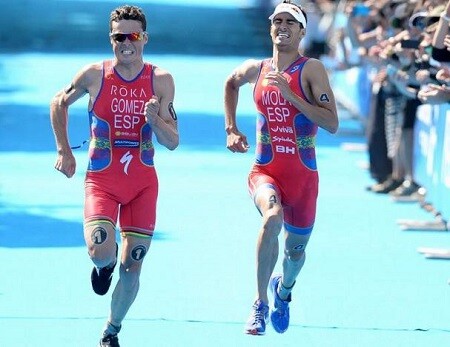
(285, 150)
(121, 181)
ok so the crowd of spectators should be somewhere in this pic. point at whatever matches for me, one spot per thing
(404, 45)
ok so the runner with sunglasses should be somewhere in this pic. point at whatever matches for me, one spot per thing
(293, 98)
(129, 101)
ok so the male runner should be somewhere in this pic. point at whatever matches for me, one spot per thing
(129, 101)
(293, 98)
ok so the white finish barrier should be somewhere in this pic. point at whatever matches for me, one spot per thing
(432, 155)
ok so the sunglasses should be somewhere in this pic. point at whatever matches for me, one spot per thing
(419, 23)
(119, 37)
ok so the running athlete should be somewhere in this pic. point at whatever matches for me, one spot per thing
(293, 98)
(129, 101)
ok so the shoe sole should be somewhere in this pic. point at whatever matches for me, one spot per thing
(408, 198)
(254, 332)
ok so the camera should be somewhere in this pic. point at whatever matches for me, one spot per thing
(410, 44)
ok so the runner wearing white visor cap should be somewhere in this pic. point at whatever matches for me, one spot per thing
(293, 98)
(292, 9)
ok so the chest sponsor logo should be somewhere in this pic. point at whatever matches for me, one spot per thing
(294, 68)
(127, 106)
(283, 139)
(126, 133)
(276, 106)
(126, 143)
(283, 130)
(126, 160)
(285, 149)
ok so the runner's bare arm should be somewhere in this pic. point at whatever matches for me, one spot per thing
(59, 107)
(245, 73)
(160, 112)
(322, 109)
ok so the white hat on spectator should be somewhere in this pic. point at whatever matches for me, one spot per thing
(427, 20)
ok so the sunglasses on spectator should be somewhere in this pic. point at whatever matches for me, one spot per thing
(419, 23)
(120, 37)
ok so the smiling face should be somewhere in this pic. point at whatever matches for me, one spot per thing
(128, 51)
(285, 31)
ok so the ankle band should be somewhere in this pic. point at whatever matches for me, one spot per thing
(111, 329)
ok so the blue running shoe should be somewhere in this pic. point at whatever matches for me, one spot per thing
(256, 324)
(279, 314)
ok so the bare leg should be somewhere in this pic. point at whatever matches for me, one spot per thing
(293, 261)
(267, 246)
(125, 292)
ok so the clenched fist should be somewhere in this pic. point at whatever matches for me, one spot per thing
(151, 110)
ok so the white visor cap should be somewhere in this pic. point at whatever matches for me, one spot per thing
(292, 10)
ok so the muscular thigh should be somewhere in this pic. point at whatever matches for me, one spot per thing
(99, 204)
(264, 191)
(139, 215)
(297, 198)
(100, 218)
(300, 205)
(134, 208)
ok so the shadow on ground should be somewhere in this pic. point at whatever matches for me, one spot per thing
(25, 230)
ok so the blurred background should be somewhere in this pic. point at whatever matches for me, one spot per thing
(236, 27)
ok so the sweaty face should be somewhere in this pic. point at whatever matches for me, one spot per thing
(285, 31)
(128, 50)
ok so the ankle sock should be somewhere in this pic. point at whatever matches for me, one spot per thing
(283, 292)
(111, 329)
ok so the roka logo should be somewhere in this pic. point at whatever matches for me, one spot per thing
(126, 159)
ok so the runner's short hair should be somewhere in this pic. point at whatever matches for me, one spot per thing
(128, 12)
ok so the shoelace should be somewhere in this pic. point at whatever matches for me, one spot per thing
(258, 314)
(282, 305)
(281, 309)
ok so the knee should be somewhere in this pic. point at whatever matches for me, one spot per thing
(272, 222)
(101, 244)
(295, 255)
